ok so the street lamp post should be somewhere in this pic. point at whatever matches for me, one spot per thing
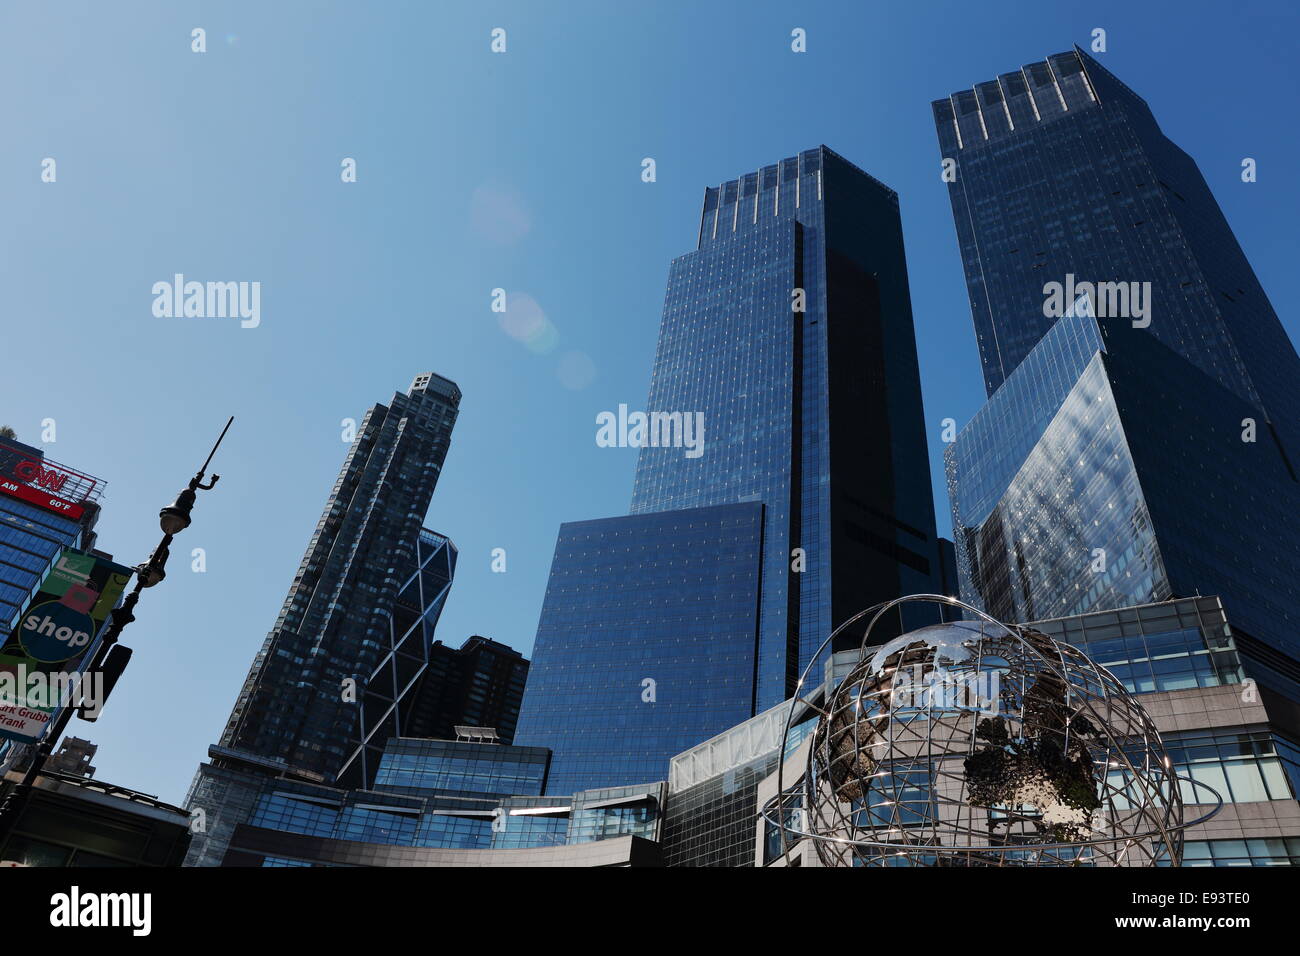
(173, 519)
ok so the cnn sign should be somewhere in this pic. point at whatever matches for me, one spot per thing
(34, 473)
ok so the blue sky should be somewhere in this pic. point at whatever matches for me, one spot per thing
(475, 171)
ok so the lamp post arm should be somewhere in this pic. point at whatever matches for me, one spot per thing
(146, 575)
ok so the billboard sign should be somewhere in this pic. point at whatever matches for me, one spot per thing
(41, 660)
(42, 499)
(26, 474)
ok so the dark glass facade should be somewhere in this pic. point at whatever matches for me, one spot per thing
(481, 683)
(645, 644)
(1062, 169)
(811, 402)
(343, 615)
(417, 766)
(1160, 440)
(386, 697)
(345, 659)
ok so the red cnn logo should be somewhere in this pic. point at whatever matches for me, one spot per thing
(32, 473)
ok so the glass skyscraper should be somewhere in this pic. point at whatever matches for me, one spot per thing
(338, 616)
(359, 614)
(790, 328)
(787, 334)
(1142, 446)
(481, 683)
(1062, 170)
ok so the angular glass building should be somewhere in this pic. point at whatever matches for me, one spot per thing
(405, 666)
(1108, 471)
(790, 329)
(1144, 448)
(1052, 518)
(645, 644)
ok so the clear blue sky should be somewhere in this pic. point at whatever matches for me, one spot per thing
(475, 171)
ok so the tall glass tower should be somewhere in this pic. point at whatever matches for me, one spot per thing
(1144, 445)
(359, 617)
(291, 708)
(1062, 170)
(787, 335)
(363, 550)
(790, 328)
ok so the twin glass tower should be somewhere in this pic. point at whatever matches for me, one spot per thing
(1141, 441)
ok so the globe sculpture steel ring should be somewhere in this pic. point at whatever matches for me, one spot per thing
(975, 743)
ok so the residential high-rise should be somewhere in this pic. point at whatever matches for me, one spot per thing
(1142, 433)
(359, 615)
(481, 684)
(782, 486)
(365, 547)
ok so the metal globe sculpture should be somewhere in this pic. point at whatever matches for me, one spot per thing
(973, 743)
